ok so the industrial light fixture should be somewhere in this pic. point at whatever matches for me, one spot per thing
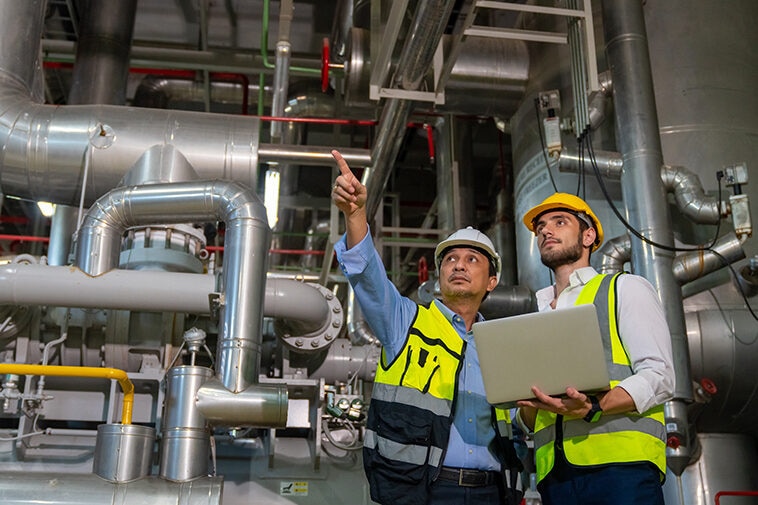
(46, 208)
(271, 195)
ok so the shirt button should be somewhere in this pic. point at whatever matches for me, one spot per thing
(470, 420)
(471, 451)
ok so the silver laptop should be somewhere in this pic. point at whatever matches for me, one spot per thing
(551, 350)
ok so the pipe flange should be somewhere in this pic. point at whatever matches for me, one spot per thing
(323, 337)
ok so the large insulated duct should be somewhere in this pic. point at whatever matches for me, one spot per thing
(49, 150)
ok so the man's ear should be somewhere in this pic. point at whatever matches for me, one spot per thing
(492, 284)
(588, 237)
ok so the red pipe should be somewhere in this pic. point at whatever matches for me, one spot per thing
(359, 122)
(24, 238)
(734, 493)
(185, 74)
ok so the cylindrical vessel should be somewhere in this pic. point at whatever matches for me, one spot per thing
(123, 452)
(185, 447)
(727, 463)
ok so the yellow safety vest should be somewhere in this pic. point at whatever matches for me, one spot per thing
(411, 411)
(615, 438)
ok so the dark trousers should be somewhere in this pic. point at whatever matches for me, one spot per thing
(622, 484)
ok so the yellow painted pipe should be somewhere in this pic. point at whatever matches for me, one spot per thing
(80, 371)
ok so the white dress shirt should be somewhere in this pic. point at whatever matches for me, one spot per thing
(643, 330)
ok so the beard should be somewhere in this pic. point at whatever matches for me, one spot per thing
(557, 257)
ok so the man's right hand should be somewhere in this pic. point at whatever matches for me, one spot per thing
(349, 195)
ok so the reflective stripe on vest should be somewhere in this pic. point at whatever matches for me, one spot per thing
(405, 453)
(619, 438)
(411, 411)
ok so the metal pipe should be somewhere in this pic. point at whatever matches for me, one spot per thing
(62, 229)
(101, 68)
(693, 265)
(609, 163)
(80, 371)
(614, 253)
(312, 155)
(244, 276)
(109, 138)
(25, 488)
(640, 146)
(151, 291)
(189, 59)
(427, 27)
(643, 193)
(281, 70)
(140, 290)
(260, 405)
(689, 194)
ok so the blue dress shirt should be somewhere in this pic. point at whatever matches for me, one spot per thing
(390, 315)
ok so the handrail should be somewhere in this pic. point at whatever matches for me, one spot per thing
(80, 371)
(734, 493)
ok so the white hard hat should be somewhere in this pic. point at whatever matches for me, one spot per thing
(469, 237)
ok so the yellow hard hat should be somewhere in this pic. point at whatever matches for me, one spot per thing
(571, 203)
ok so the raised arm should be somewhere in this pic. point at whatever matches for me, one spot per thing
(349, 195)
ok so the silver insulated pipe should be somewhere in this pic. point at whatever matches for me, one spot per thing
(243, 281)
(24, 488)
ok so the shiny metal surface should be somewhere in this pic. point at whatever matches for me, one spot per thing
(29, 488)
(639, 144)
(244, 277)
(123, 453)
(185, 434)
(260, 405)
(727, 463)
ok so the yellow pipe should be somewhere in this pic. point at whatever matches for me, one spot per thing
(80, 371)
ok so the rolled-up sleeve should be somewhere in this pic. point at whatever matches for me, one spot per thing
(647, 340)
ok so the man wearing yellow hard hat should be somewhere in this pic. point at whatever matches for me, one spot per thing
(608, 448)
(431, 437)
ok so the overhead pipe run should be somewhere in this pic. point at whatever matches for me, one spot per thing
(427, 27)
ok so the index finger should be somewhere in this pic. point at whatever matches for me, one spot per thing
(342, 164)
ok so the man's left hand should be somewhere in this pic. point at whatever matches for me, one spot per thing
(574, 404)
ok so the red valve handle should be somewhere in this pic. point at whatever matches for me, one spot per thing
(325, 65)
(423, 270)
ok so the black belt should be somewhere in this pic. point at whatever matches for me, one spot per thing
(468, 477)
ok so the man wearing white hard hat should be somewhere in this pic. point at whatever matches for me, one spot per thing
(610, 448)
(431, 437)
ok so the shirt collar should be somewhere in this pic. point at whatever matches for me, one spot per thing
(449, 314)
(578, 277)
